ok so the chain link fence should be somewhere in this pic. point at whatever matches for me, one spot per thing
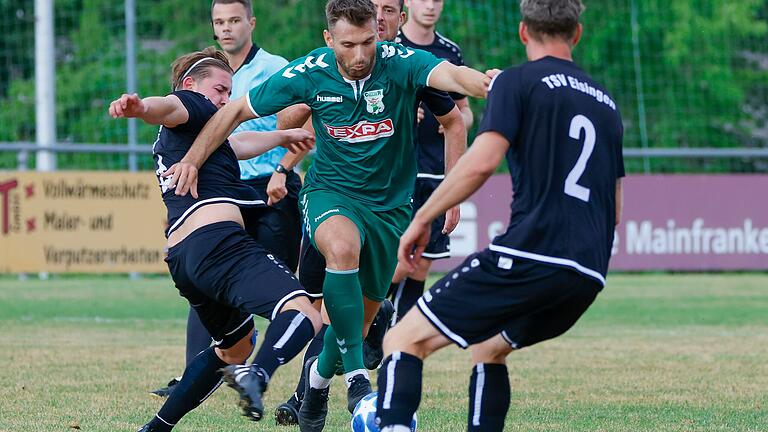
(691, 77)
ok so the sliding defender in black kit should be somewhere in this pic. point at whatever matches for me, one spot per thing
(224, 274)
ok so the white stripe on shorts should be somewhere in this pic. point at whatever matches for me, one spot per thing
(290, 296)
(439, 324)
(436, 255)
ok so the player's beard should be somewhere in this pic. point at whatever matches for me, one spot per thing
(357, 73)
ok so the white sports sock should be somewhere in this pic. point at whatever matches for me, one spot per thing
(316, 380)
(348, 376)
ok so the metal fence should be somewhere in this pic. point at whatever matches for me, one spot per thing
(690, 76)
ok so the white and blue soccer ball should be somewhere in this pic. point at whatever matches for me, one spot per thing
(364, 416)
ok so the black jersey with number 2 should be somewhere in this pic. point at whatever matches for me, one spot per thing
(565, 156)
(218, 179)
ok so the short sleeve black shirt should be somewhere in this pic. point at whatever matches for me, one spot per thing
(565, 156)
(218, 178)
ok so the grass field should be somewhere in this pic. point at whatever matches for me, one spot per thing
(654, 353)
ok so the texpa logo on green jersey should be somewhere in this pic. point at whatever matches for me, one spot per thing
(363, 131)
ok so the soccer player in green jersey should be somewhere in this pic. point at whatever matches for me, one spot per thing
(356, 197)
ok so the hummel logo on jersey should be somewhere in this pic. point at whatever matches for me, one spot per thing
(390, 51)
(335, 99)
(309, 63)
(363, 131)
(375, 101)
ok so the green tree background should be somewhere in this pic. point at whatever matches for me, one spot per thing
(704, 66)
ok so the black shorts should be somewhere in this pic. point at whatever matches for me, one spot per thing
(226, 277)
(277, 228)
(311, 269)
(491, 293)
(439, 246)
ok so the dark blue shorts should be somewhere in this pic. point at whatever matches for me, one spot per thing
(439, 246)
(277, 228)
(491, 293)
(311, 269)
(226, 277)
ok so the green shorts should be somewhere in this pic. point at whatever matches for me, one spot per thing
(380, 233)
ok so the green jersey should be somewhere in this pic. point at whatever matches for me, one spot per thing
(364, 128)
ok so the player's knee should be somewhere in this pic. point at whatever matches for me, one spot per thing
(305, 307)
(488, 357)
(399, 338)
(392, 341)
(494, 350)
(400, 273)
(239, 352)
(422, 270)
(342, 255)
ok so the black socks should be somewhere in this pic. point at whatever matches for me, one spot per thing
(284, 338)
(399, 389)
(489, 396)
(200, 379)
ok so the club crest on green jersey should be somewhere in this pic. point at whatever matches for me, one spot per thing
(375, 101)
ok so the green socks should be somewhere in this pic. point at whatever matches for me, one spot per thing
(343, 299)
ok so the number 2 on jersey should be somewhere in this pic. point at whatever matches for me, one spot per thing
(578, 124)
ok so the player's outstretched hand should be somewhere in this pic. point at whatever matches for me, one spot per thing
(276, 189)
(127, 106)
(183, 178)
(298, 140)
(412, 244)
(452, 217)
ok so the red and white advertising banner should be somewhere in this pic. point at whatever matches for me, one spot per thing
(670, 222)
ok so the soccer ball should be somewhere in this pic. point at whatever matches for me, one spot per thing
(364, 417)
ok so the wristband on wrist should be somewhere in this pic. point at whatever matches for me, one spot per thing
(281, 169)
